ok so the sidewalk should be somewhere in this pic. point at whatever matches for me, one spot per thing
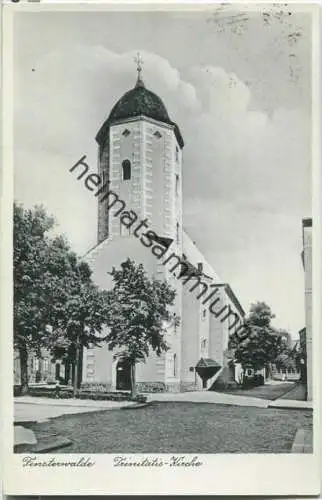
(229, 399)
(33, 409)
(209, 397)
(303, 441)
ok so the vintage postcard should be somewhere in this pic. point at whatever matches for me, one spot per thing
(159, 331)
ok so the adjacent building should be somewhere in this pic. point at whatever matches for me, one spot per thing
(306, 333)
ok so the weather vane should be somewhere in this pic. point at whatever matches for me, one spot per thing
(139, 63)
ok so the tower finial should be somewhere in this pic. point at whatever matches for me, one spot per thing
(139, 63)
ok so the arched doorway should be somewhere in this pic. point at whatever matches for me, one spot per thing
(123, 375)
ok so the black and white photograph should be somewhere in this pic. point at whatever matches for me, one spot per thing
(162, 237)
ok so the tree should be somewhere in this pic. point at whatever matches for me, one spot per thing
(52, 287)
(79, 315)
(260, 314)
(31, 311)
(261, 344)
(138, 310)
(285, 359)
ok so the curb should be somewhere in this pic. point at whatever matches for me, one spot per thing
(64, 404)
(25, 423)
(41, 446)
(290, 407)
(135, 407)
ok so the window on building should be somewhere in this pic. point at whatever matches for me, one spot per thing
(177, 154)
(177, 235)
(203, 344)
(45, 365)
(126, 132)
(157, 134)
(124, 231)
(174, 365)
(126, 166)
(204, 314)
(177, 184)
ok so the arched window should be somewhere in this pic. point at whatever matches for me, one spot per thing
(126, 165)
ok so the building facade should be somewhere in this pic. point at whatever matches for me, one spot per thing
(307, 332)
(140, 164)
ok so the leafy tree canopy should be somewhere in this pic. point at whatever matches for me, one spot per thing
(262, 342)
(56, 304)
(138, 311)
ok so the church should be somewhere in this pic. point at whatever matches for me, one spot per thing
(140, 158)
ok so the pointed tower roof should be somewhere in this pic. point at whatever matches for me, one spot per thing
(139, 101)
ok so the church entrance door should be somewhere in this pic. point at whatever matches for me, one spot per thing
(123, 375)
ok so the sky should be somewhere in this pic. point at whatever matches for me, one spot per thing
(237, 83)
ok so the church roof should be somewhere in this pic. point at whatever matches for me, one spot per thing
(138, 101)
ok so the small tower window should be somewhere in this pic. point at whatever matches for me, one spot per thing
(157, 134)
(126, 132)
(177, 236)
(126, 165)
(177, 154)
(177, 184)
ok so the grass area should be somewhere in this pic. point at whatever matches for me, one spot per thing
(180, 428)
(298, 393)
(265, 391)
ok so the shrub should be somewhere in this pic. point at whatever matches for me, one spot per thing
(151, 386)
(140, 398)
(253, 381)
(259, 379)
(16, 390)
(224, 385)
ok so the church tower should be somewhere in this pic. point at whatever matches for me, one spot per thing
(140, 162)
(140, 157)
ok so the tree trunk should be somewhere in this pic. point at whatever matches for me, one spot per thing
(23, 354)
(243, 376)
(80, 367)
(76, 372)
(133, 382)
(67, 372)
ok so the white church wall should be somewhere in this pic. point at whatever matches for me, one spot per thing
(218, 330)
(111, 253)
(307, 261)
(190, 346)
